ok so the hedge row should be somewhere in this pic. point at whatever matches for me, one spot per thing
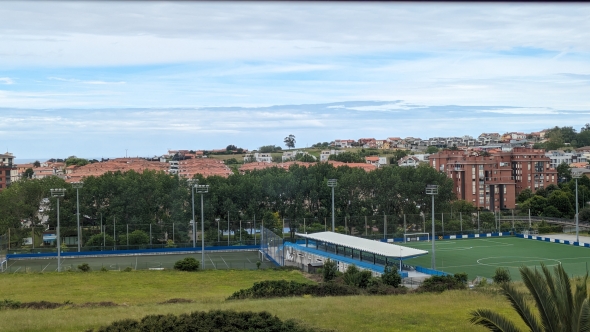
(283, 288)
(214, 321)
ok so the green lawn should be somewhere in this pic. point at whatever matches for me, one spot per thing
(139, 292)
(481, 257)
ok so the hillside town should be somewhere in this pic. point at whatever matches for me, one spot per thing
(499, 166)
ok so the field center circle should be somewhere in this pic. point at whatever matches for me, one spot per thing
(516, 261)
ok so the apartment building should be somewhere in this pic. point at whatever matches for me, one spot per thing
(493, 182)
(558, 157)
(6, 167)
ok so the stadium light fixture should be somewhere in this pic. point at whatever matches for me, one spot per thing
(332, 183)
(432, 189)
(77, 186)
(57, 193)
(202, 189)
(576, 175)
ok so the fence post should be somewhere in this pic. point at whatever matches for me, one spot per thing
(365, 225)
(512, 219)
(442, 222)
(151, 235)
(127, 236)
(478, 231)
(461, 221)
(345, 226)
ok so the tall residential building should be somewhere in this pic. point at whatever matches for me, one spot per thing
(493, 182)
(6, 166)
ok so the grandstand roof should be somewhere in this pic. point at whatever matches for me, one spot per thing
(371, 246)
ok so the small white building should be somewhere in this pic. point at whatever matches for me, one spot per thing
(258, 157)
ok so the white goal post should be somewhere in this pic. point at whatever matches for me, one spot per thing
(3, 265)
(412, 237)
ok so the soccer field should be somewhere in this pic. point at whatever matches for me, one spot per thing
(481, 257)
(213, 260)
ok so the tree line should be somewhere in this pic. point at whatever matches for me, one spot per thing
(270, 194)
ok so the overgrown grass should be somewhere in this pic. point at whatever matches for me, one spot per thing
(142, 291)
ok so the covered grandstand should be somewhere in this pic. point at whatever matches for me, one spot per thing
(348, 250)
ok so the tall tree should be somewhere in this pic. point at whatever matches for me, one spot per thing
(290, 141)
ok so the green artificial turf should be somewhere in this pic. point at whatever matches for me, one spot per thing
(481, 257)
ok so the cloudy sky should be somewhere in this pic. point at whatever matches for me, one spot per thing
(93, 79)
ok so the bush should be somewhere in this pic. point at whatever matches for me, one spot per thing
(84, 267)
(355, 277)
(502, 275)
(187, 264)
(391, 277)
(128, 269)
(441, 283)
(329, 270)
(215, 320)
(282, 288)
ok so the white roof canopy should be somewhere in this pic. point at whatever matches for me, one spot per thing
(371, 246)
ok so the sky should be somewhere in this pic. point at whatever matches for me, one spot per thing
(102, 79)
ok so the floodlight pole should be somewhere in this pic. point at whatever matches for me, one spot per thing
(57, 193)
(77, 186)
(202, 189)
(432, 189)
(193, 183)
(577, 175)
(332, 183)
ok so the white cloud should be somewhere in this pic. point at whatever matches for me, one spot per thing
(6, 80)
(73, 80)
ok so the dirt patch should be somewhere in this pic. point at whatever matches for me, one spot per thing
(96, 304)
(41, 305)
(177, 301)
(313, 277)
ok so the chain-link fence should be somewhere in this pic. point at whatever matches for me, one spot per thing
(272, 246)
(114, 235)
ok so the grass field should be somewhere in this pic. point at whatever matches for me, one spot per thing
(139, 293)
(213, 260)
(481, 257)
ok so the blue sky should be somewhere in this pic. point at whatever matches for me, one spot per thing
(95, 78)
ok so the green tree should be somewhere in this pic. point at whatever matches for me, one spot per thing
(137, 237)
(524, 195)
(73, 160)
(304, 157)
(391, 277)
(97, 240)
(329, 270)
(290, 141)
(560, 200)
(559, 306)
(28, 174)
(37, 163)
(397, 155)
(432, 149)
(564, 172)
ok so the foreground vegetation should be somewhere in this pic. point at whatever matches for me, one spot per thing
(142, 293)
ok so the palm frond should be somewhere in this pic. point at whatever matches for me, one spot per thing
(584, 318)
(537, 285)
(492, 321)
(518, 302)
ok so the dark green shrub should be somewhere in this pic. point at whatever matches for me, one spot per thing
(84, 267)
(187, 264)
(128, 269)
(355, 277)
(461, 277)
(283, 288)
(329, 270)
(214, 321)
(502, 275)
(9, 304)
(391, 277)
(440, 284)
